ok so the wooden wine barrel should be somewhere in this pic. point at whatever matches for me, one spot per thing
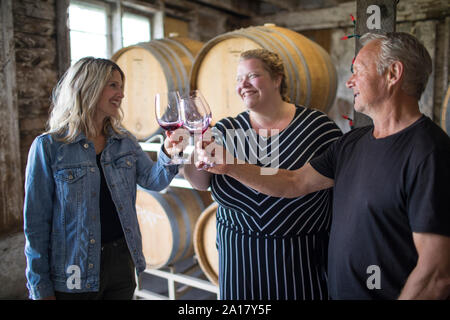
(445, 117)
(206, 197)
(205, 243)
(167, 222)
(150, 67)
(311, 76)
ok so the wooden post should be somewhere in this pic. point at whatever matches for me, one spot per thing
(445, 111)
(62, 36)
(377, 16)
(116, 26)
(158, 25)
(11, 188)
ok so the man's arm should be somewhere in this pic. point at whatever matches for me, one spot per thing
(430, 279)
(284, 183)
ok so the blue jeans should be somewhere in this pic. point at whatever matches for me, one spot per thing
(117, 275)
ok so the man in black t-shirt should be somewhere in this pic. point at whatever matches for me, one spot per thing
(390, 232)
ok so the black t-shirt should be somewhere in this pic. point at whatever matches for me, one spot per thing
(385, 189)
(111, 229)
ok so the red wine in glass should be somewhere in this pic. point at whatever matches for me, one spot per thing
(170, 126)
(167, 111)
(198, 127)
(195, 113)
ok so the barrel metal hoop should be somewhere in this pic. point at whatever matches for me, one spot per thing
(199, 242)
(302, 58)
(172, 220)
(187, 225)
(199, 200)
(184, 83)
(164, 65)
(180, 46)
(176, 64)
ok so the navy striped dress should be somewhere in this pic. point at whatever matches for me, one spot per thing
(273, 248)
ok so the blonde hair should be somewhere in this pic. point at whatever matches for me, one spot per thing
(75, 97)
(272, 63)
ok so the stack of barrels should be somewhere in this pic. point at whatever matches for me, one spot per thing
(167, 222)
(181, 222)
(157, 66)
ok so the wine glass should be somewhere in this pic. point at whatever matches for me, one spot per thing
(167, 110)
(195, 113)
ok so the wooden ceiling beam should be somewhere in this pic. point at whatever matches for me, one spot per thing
(243, 8)
(284, 4)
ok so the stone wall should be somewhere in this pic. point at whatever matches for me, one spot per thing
(36, 66)
(11, 195)
(12, 267)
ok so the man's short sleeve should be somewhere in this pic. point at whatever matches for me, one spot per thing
(325, 163)
(428, 197)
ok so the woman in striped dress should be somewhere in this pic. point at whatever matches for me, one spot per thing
(269, 248)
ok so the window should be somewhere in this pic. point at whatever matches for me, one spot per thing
(92, 32)
(135, 28)
(88, 25)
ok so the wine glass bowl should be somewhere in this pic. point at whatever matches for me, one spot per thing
(167, 110)
(168, 116)
(196, 115)
(195, 112)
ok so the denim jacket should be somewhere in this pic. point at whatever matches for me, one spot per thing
(62, 213)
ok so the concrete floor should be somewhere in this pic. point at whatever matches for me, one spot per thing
(13, 264)
(160, 285)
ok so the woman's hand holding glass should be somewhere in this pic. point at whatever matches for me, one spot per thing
(212, 157)
(168, 115)
(196, 114)
(175, 144)
(181, 116)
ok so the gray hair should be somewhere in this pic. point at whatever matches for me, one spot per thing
(403, 47)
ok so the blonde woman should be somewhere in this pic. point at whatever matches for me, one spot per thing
(80, 223)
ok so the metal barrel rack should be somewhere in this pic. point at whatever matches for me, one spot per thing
(181, 277)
